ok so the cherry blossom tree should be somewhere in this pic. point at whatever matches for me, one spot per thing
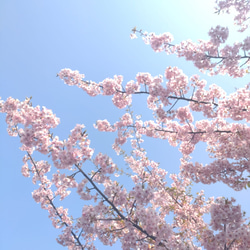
(137, 215)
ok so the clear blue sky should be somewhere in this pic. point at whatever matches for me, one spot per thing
(38, 38)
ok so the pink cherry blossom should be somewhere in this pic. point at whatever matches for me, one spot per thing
(148, 210)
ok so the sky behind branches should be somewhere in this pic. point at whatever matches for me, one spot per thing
(39, 38)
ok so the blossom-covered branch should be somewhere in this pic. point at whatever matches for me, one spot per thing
(148, 211)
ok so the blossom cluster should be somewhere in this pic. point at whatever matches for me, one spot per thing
(209, 55)
(226, 219)
(242, 9)
(224, 139)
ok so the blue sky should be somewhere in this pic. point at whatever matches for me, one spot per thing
(38, 38)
